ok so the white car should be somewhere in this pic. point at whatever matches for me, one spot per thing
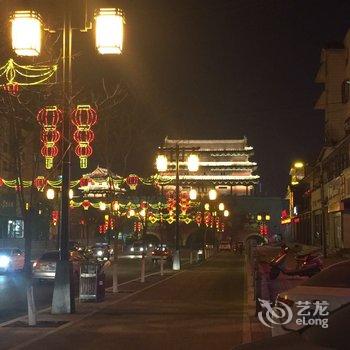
(11, 259)
(331, 285)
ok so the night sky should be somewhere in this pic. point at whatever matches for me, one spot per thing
(223, 69)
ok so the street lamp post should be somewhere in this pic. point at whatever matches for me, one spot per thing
(192, 165)
(26, 41)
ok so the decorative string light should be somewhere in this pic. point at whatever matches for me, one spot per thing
(17, 75)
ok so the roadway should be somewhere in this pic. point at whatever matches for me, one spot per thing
(199, 308)
(13, 301)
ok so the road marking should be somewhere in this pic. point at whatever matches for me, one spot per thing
(106, 305)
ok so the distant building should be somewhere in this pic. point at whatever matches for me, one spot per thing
(320, 202)
(224, 164)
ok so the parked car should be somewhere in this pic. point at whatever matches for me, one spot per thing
(332, 284)
(162, 252)
(224, 245)
(44, 268)
(336, 336)
(11, 259)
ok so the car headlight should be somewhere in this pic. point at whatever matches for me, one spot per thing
(141, 249)
(4, 261)
(99, 253)
(132, 249)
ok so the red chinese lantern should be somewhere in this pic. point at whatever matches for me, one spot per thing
(86, 204)
(184, 202)
(49, 117)
(83, 117)
(198, 218)
(143, 205)
(84, 182)
(83, 136)
(54, 217)
(132, 181)
(11, 88)
(1, 181)
(83, 152)
(40, 182)
(207, 218)
(49, 153)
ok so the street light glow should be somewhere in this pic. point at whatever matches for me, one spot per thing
(221, 206)
(193, 162)
(102, 206)
(298, 165)
(109, 31)
(50, 193)
(162, 163)
(226, 213)
(115, 206)
(193, 194)
(26, 33)
(212, 194)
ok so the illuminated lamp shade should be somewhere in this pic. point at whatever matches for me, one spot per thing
(143, 212)
(193, 194)
(102, 206)
(193, 162)
(109, 31)
(226, 213)
(212, 194)
(162, 163)
(26, 33)
(115, 206)
(71, 194)
(221, 206)
(206, 206)
(50, 193)
(298, 165)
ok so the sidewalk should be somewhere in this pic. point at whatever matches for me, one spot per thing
(199, 307)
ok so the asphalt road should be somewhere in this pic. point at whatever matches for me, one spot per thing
(199, 308)
(13, 301)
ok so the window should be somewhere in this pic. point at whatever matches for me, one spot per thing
(345, 91)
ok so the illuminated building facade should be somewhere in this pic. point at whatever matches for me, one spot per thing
(223, 164)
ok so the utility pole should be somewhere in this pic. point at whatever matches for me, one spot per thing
(176, 260)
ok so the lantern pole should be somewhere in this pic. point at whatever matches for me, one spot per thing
(176, 261)
(63, 296)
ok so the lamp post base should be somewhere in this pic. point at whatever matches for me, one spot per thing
(63, 294)
(176, 260)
